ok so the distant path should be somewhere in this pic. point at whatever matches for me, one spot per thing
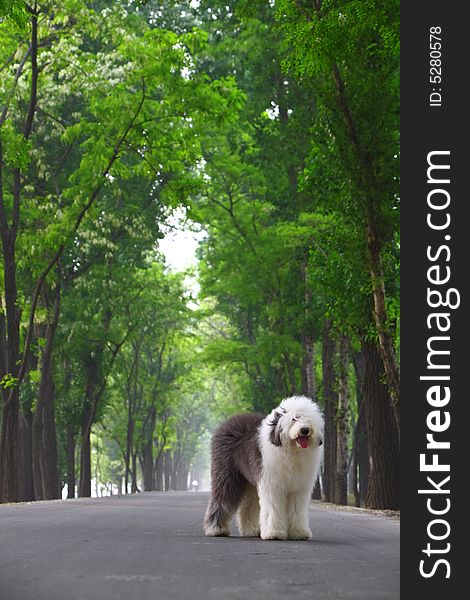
(151, 547)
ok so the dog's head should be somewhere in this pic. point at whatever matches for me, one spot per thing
(297, 422)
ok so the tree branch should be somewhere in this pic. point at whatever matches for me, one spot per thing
(236, 224)
(34, 76)
(3, 215)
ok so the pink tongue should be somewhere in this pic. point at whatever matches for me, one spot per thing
(303, 442)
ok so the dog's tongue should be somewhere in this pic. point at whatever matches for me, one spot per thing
(302, 441)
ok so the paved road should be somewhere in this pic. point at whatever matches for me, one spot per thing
(151, 547)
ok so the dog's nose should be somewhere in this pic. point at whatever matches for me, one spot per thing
(305, 431)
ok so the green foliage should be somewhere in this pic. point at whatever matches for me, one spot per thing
(230, 111)
(14, 10)
(16, 149)
(8, 381)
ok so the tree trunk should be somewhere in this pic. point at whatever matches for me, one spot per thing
(159, 475)
(36, 429)
(175, 467)
(9, 491)
(147, 450)
(85, 429)
(95, 388)
(386, 345)
(85, 461)
(382, 434)
(341, 479)
(9, 451)
(48, 441)
(36, 453)
(147, 467)
(307, 339)
(308, 366)
(360, 456)
(25, 476)
(129, 445)
(354, 470)
(25, 441)
(167, 471)
(70, 462)
(360, 442)
(363, 459)
(134, 488)
(184, 478)
(330, 398)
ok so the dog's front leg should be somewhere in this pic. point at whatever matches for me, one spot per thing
(297, 509)
(273, 515)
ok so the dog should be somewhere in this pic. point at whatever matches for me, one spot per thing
(266, 468)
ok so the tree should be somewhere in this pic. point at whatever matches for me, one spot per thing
(139, 121)
(141, 389)
(351, 50)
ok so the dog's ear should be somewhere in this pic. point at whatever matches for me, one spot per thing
(275, 436)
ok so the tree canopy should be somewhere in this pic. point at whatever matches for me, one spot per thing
(273, 128)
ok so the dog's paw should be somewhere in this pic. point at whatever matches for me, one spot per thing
(273, 535)
(214, 531)
(299, 534)
(249, 532)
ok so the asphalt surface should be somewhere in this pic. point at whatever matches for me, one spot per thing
(151, 547)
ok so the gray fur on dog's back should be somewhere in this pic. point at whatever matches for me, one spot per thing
(235, 448)
(235, 468)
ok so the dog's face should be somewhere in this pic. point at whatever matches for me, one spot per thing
(297, 422)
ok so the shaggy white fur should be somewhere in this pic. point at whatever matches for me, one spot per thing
(289, 470)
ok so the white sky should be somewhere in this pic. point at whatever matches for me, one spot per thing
(180, 243)
(179, 248)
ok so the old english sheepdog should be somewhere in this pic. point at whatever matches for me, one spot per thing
(266, 468)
